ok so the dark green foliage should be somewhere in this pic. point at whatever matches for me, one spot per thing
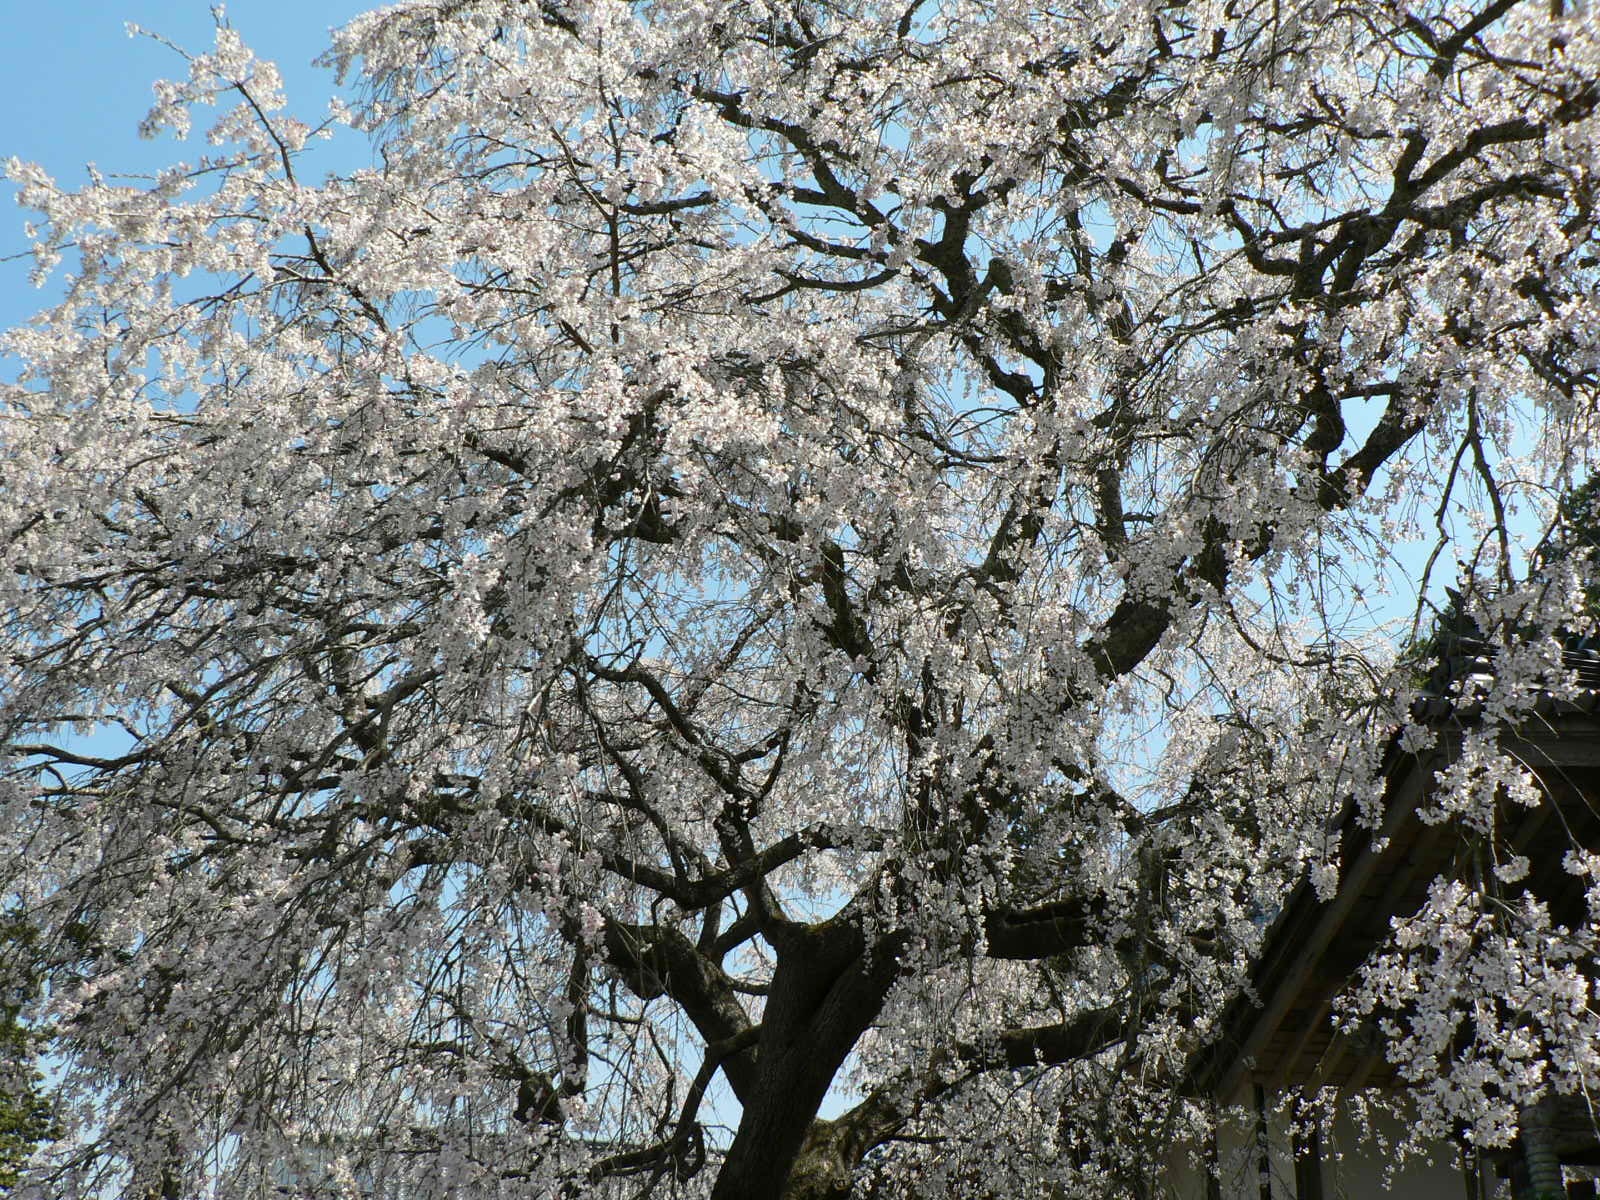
(25, 1115)
(1454, 647)
(1577, 528)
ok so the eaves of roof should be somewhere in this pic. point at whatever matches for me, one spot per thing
(1278, 1031)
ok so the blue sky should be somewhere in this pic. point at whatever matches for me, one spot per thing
(76, 87)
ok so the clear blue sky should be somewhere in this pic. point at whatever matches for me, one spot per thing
(76, 87)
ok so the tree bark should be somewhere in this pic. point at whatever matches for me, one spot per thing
(828, 986)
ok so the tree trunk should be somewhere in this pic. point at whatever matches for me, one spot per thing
(825, 1164)
(826, 990)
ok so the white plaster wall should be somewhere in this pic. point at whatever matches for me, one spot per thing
(1353, 1166)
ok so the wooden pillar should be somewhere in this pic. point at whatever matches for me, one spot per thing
(1214, 1160)
(1263, 1144)
(1308, 1163)
(1475, 1173)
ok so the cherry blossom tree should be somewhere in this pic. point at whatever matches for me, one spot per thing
(767, 603)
